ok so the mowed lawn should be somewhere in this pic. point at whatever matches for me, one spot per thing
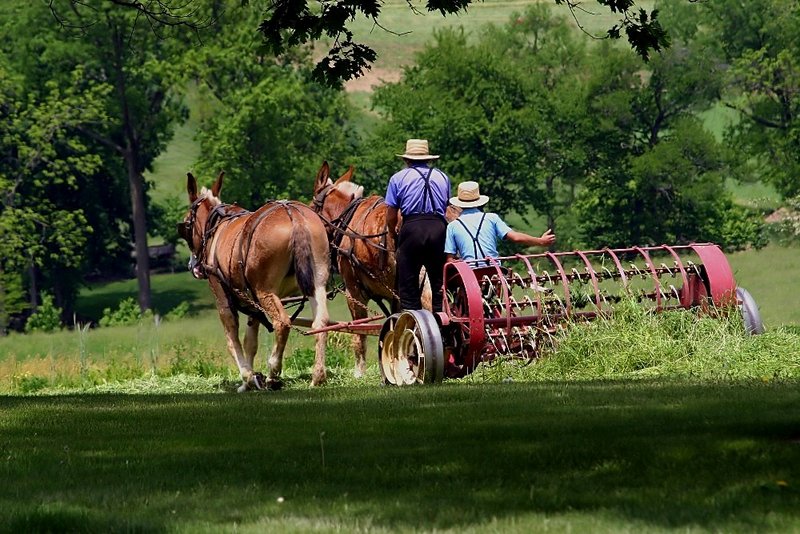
(601, 457)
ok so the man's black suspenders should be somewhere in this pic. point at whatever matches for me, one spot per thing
(427, 192)
(475, 244)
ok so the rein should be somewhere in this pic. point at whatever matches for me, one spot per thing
(340, 225)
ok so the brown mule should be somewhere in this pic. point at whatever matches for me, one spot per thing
(251, 261)
(364, 252)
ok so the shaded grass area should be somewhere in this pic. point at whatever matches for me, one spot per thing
(605, 456)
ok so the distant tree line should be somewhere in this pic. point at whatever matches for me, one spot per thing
(608, 149)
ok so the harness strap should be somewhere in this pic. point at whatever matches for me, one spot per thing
(246, 302)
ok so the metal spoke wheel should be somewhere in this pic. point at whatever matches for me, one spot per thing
(410, 349)
(750, 314)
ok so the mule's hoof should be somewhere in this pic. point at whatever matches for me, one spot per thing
(319, 379)
(244, 388)
(258, 381)
(275, 384)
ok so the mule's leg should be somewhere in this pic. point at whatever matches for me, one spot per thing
(281, 322)
(358, 310)
(319, 308)
(357, 304)
(251, 340)
(230, 322)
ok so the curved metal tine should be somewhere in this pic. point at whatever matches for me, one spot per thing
(528, 301)
(526, 343)
(576, 273)
(691, 265)
(558, 299)
(514, 303)
(664, 266)
(493, 340)
(663, 294)
(521, 338)
(515, 276)
(610, 274)
(505, 341)
(486, 285)
(547, 275)
(635, 269)
(675, 290)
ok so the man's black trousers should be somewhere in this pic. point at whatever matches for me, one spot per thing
(420, 243)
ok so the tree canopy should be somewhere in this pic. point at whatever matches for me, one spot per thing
(288, 23)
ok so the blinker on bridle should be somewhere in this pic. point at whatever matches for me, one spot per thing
(319, 198)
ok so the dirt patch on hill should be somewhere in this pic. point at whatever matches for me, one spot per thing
(371, 79)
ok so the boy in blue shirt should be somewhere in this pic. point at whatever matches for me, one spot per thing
(474, 234)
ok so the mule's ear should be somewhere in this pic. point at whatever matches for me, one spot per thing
(191, 187)
(323, 174)
(346, 177)
(215, 189)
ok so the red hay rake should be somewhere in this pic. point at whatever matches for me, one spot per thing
(508, 306)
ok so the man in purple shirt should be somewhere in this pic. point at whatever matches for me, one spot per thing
(420, 193)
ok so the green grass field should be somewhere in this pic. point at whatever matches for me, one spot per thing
(560, 457)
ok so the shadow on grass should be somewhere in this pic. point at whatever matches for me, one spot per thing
(636, 454)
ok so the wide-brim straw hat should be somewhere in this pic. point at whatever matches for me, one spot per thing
(417, 149)
(469, 196)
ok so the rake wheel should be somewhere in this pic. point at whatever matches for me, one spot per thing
(750, 314)
(410, 349)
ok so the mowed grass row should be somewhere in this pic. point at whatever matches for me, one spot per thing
(193, 348)
(644, 456)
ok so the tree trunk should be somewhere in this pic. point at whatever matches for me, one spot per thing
(136, 182)
(130, 153)
(33, 291)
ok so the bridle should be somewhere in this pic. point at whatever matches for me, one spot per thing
(319, 199)
(197, 261)
(339, 227)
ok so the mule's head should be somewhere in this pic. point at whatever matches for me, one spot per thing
(193, 227)
(332, 198)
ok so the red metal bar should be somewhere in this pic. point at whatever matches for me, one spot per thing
(619, 267)
(532, 274)
(649, 263)
(564, 281)
(477, 336)
(590, 270)
(718, 271)
(506, 291)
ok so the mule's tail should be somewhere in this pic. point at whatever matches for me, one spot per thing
(303, 254)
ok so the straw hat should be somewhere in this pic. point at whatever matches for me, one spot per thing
(417, 149)
(469, 196)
